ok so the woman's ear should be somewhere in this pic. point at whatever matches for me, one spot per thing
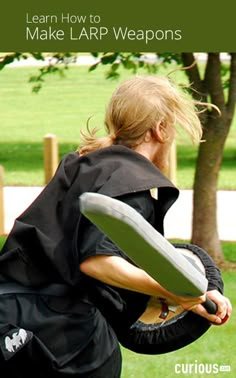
(160, 132)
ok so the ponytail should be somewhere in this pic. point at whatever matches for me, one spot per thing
(90, 142)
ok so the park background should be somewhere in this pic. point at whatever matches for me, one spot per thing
(62, 107)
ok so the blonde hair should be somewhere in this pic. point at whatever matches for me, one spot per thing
(137, 106)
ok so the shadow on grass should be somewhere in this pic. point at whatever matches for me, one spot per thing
(23, 162)
(229, 158)
(187, 157)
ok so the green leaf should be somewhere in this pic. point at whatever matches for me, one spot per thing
(37, 56)
(115, 66)
(112, 75)
(36, 88)
(93, 67)
(109, 58)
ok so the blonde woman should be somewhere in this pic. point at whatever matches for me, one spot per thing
(105, 293)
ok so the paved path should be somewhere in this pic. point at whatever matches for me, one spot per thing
(177, 221)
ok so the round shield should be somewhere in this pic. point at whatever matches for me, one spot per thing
(165, 327)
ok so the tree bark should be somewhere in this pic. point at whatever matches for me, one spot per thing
(215, 131)
(204, 223)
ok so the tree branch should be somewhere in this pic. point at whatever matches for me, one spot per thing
(213, 81)
(232, 86)
(194, 76)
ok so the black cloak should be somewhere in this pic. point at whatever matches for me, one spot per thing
(42, 246)
(42, 249)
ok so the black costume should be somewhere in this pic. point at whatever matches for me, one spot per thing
(68, 324)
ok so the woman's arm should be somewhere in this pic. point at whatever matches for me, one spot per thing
(118, 272)
(102, 260)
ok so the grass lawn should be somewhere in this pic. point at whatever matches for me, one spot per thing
(62, 108)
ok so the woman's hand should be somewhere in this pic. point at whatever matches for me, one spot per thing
(224, 307)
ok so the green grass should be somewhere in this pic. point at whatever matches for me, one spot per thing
(62, 108)
(23, 162)
(229, 251)
(2, 240)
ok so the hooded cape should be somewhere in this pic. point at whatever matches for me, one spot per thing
(42, 246)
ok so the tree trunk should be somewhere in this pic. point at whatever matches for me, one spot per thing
(204, 223)
(215, 131)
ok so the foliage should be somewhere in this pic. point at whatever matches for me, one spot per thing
(58, 62)
(51, 64)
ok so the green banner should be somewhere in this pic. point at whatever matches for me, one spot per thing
(154, 26)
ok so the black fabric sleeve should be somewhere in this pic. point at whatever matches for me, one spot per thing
(94, 242)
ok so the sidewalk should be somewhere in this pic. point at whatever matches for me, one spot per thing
(177, 222)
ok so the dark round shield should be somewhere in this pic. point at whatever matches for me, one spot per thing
(163, 328)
